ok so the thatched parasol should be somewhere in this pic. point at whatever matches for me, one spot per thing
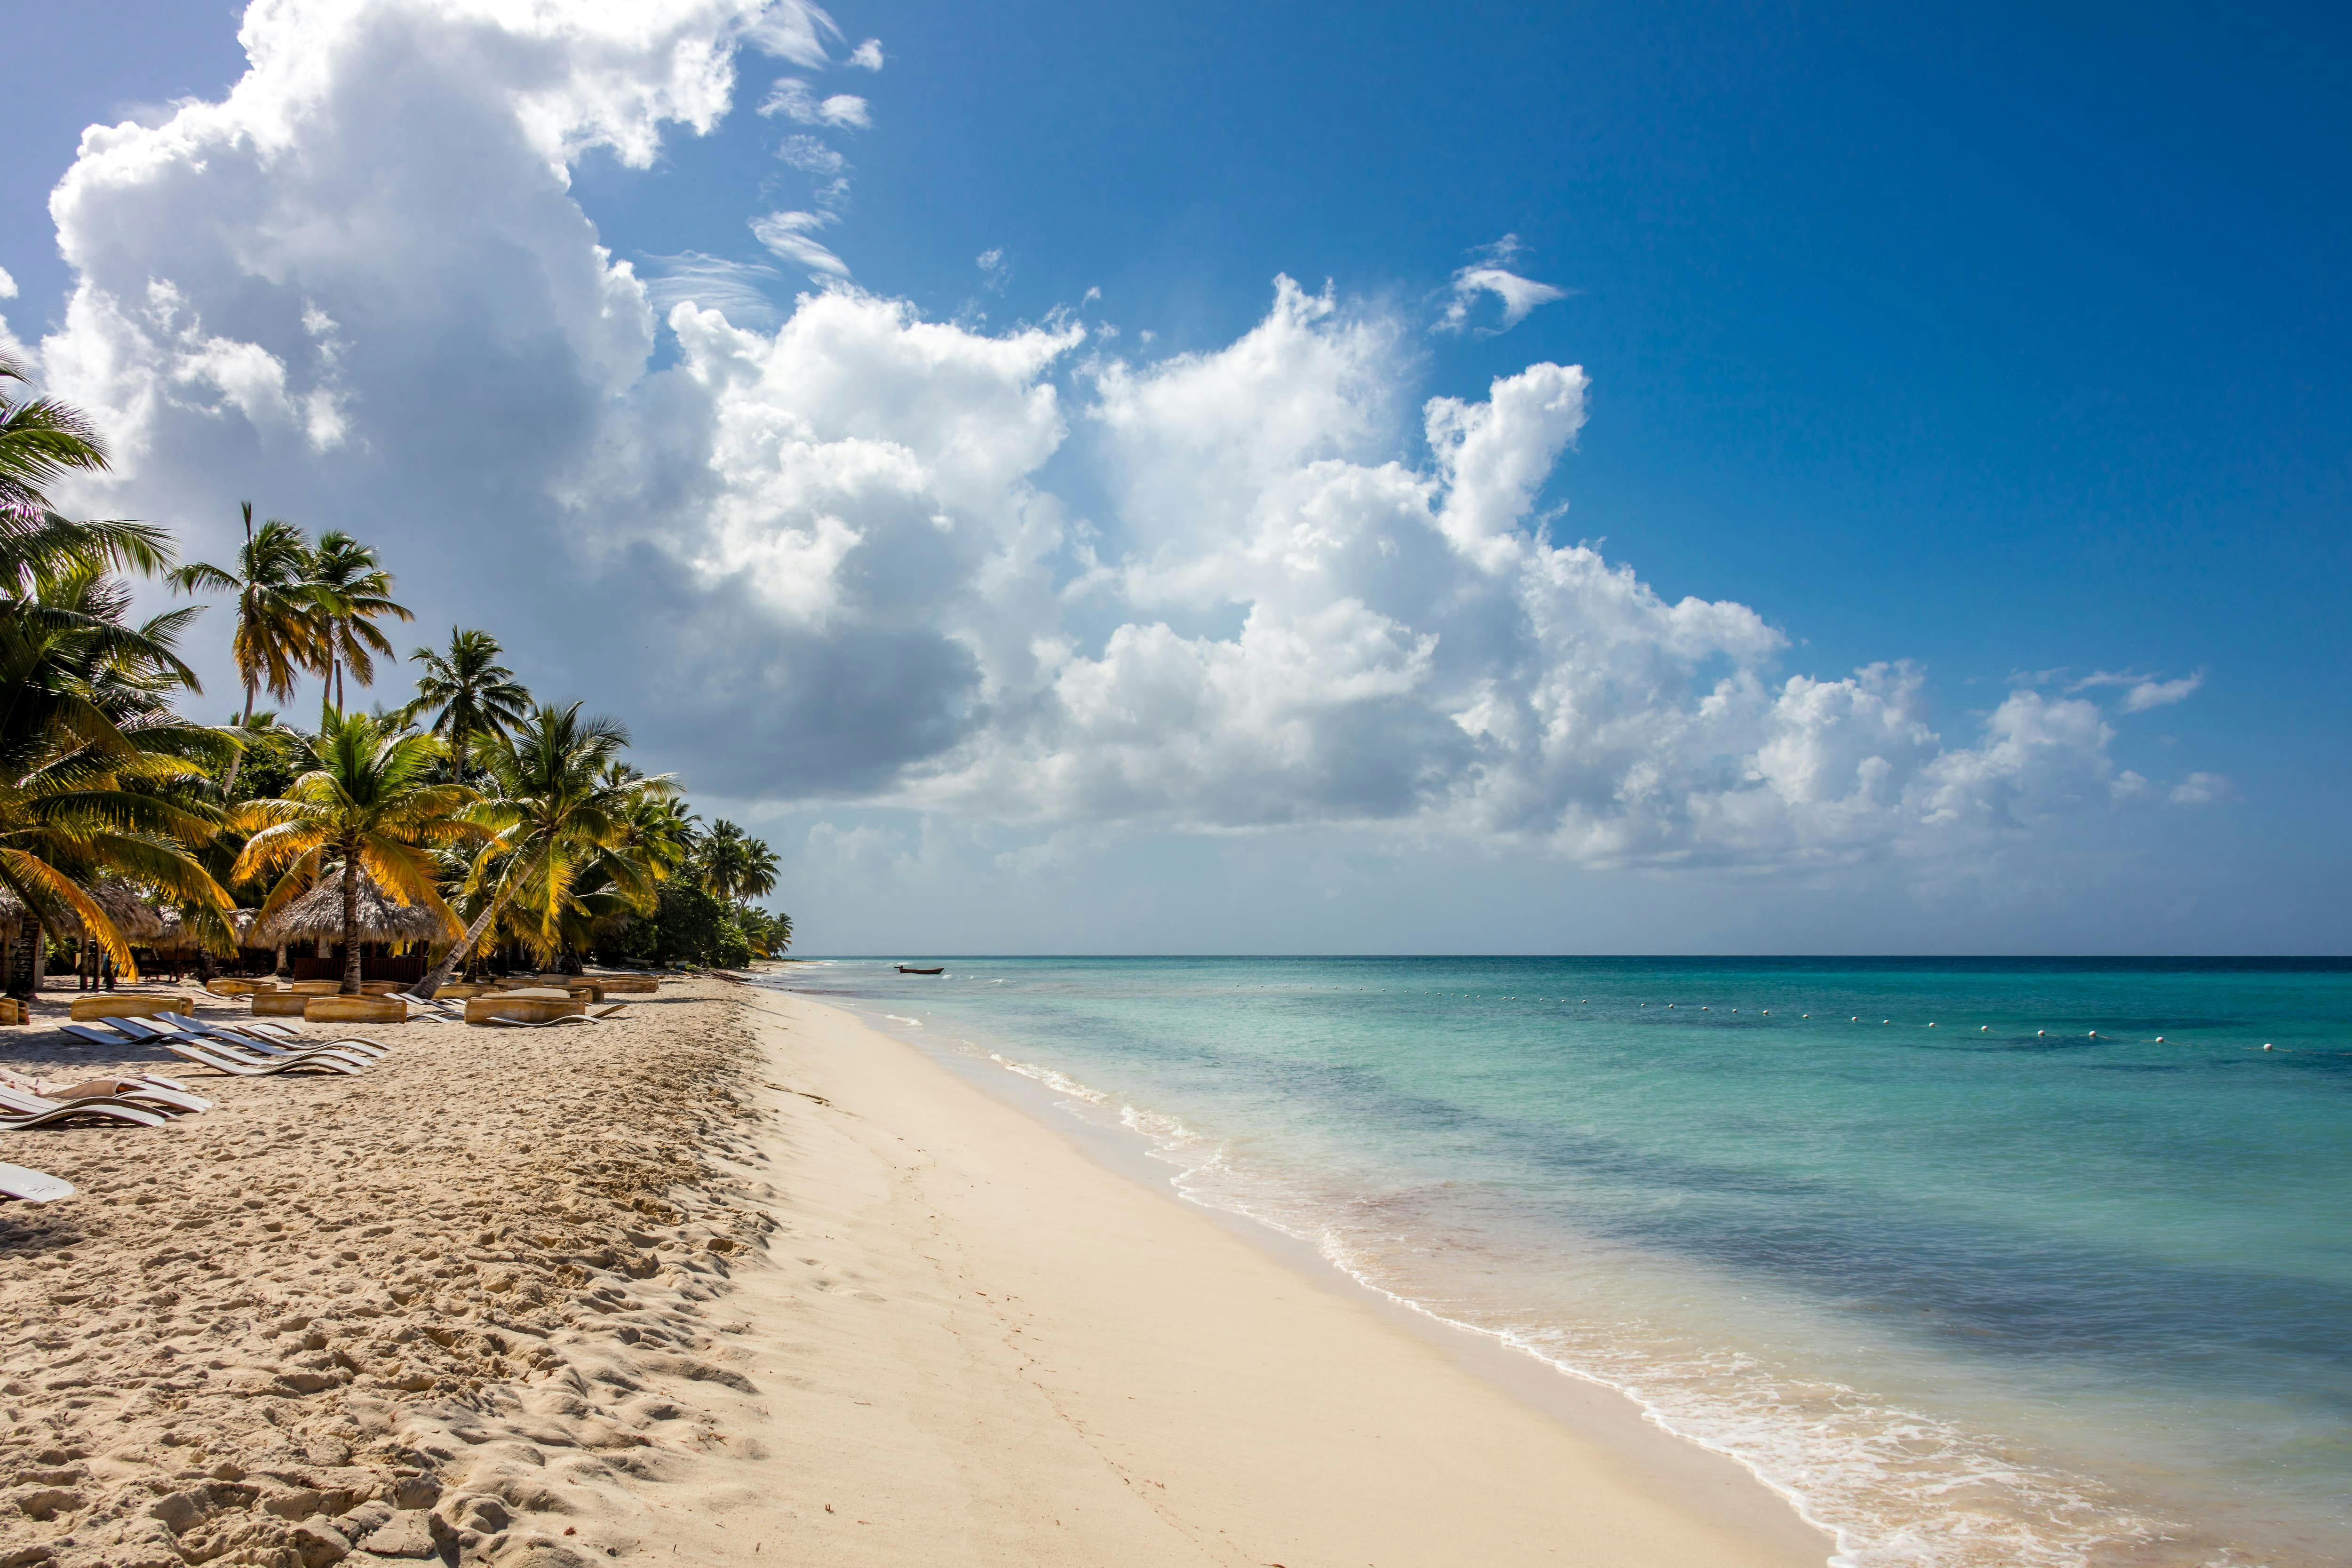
(133, 916)
(319, 915)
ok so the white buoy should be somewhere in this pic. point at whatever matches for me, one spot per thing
(2039, 1033)
(1931, 1023)
(2266, 1045)
(2159, 1039)
(1984, 1028)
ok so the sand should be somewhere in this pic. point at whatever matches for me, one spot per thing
(734, 1279)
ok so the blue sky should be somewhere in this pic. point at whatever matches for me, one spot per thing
(2004, 341)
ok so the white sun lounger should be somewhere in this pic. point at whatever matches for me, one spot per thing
(33, 1186)
(13, 1120)
(541, 1024)
(138, 1084)
(440, 1011)
(221, 1043)
(218, 1056)
(16, 1101)
(351, 1044)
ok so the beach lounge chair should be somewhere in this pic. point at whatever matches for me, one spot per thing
(253, 1039)
(13, 1120)
(18, 1102)
(228, 1043)
(32, 1186)
(217, 1059)
(439, 1011)
(498, 1023)
(142, 1092)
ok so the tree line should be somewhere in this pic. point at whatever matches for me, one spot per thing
(519, 824)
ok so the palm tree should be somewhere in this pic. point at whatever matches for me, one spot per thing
(97, 774)
(42, 441)
(555, 806)
(354, 591)
(471, 694)
(734, 866)
(367, 803)
(620, 882)
(94, 766)
(281, 627)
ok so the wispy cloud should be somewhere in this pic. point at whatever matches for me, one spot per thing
(827, 170)
(788, 236)
(1491, 274)
(791, 99)
(738, 288)
(867, 55)
(2145, 691)
(995, 271)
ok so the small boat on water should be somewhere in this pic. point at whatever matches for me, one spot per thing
(910, 969)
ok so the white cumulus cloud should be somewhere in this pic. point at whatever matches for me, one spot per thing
(867, 55)
(827, 553)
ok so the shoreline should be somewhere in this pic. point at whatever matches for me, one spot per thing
(738, 1279)
(1291, 1419)
(1718, 1484)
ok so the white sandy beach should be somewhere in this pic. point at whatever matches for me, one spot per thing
(738, 1280)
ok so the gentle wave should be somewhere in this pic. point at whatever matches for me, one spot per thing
(1893, 1487)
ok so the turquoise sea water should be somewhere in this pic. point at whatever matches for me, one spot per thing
(2025, 1287)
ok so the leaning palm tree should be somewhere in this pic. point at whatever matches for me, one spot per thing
(470, 694)
(354, 591)
(367, 803)
(281, 626)
(553, 807)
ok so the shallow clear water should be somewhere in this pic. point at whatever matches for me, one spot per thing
(2026, 1287)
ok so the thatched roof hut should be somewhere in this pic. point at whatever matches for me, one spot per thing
(318, 915)
(178, 940)
(133, 916)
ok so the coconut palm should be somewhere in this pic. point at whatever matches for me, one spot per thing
(281, 626)
(353, 592)
(471, 695)
(99, 778)
(734, 866)
(42, 441)
(367, 803)
(554, 808)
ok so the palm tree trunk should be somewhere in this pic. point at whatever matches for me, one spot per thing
(439, 978)
(351, 924)
(236, 761)
(40, 948)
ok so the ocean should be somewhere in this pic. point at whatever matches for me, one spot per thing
(1983, 1263)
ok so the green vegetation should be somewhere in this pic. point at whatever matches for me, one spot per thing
(519, 823)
